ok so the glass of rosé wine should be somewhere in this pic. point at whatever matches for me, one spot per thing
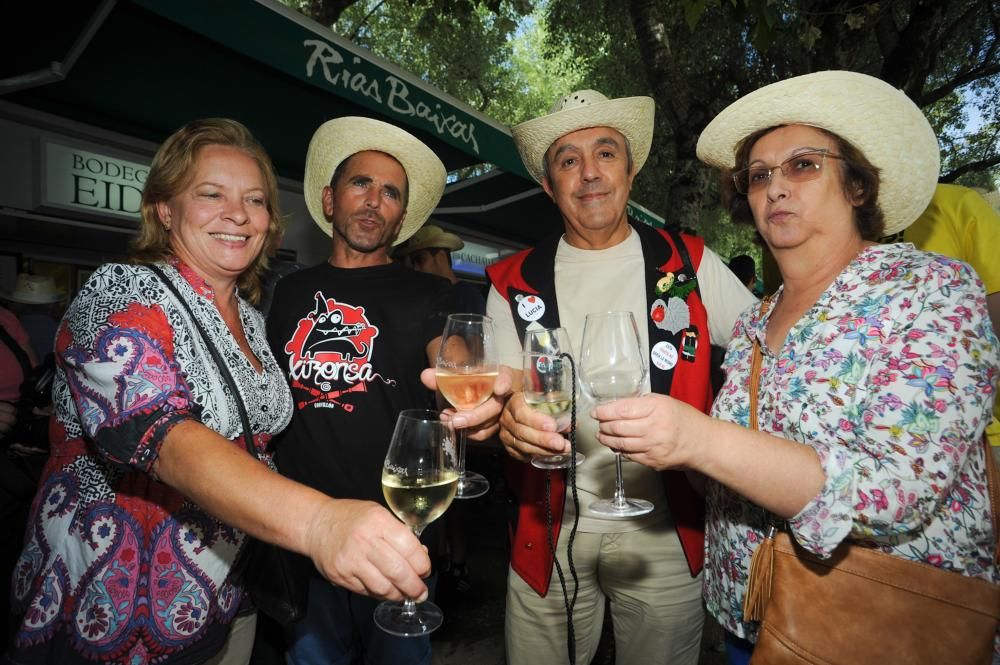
(466, 369)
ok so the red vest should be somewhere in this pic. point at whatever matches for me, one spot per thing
(531, 273)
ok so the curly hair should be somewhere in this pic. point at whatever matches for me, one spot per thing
(859, 178)
(172, 170)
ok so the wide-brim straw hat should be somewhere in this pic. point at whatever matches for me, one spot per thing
(34, 290)
(338, 139)
(430, 236)
(632, 116)
(877, 119)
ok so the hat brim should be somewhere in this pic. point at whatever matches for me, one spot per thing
(338, 139)
(880, 121)
(450, 242)
(631, 116)
(31, 300)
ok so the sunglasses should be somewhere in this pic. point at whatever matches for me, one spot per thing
(799, 168)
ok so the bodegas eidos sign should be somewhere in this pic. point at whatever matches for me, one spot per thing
(75, 178)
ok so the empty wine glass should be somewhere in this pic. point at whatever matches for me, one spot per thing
(466, 370)
(612, 366)
(547, 383)
(419, 478)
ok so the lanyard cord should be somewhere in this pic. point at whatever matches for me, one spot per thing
(571, 480)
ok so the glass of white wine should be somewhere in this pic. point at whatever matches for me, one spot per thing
(547, 384)
(613, 366)
(466, 370)
(419, 478)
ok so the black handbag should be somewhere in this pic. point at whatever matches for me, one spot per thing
(276, 579)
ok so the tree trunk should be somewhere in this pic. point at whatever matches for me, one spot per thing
(683, 193)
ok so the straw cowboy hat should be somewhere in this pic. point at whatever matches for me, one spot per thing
(632, 116)
(880, 121)
(34, 290)
(430, 235)
(338, 139)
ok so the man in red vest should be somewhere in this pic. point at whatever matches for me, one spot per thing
(585, 153)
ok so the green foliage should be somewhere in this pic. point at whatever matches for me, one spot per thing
(694, 57)
(511, 58)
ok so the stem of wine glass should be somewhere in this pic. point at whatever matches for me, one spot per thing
(619, 498)
(409, 605)
(460, 433)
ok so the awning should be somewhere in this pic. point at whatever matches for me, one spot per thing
(144, 67)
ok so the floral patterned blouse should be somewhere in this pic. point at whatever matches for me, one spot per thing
(118, 567)
(890, 377)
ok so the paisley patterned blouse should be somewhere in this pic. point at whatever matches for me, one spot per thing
(890, 377)
(118, 567)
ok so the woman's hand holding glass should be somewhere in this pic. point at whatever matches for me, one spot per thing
(419, 479)
(653, 430)
(613, 366)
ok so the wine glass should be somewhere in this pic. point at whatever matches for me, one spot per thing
(612, 366)
(547, 383)
(466, 369)
(419, 478)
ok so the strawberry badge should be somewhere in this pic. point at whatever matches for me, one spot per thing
(672, 315)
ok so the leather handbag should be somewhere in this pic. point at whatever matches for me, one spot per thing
(276, 579)
(863, 606)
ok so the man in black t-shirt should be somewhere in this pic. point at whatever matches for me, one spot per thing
(354, 334)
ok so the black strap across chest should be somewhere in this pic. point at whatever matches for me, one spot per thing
(223, 369)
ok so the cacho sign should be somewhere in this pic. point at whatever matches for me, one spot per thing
(81, 180)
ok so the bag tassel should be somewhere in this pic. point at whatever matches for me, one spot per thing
(759, 579)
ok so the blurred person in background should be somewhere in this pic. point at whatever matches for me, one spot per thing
(38, 305)
(429, 250)
(745, 269)
(959, 223)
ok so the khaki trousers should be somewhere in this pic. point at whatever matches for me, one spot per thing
(656, 605)
(239, 646)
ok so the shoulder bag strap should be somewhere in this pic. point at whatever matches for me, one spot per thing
(19, 353)
(755, 363)
(223, 369)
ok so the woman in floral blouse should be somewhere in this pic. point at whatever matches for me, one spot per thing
(880, 359)
(149, 492)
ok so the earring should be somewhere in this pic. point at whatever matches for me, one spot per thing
(166, 225)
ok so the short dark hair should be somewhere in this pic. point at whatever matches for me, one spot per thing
(859, 176)
(338, 173)
(743, 267)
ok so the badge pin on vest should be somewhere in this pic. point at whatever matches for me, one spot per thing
(672, 315)
(663, 355)
(530, 308)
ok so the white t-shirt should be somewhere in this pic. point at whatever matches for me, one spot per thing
(612, 280)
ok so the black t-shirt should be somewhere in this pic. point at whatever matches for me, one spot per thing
(469, 298)
(352, 343)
